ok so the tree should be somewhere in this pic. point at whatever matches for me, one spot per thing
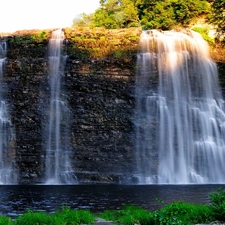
(167, 14)
(116, 14)
(218, 14)
(157, 15)
(151, 14)
(188, 10)
(83, 20)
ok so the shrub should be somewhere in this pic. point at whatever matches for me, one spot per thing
(218, 204)
(182, 213)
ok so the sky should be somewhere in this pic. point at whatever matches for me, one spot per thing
(42, 14)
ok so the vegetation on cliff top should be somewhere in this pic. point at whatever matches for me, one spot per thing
(155, 14)
(118, 44)
(217, 17)
(99, 35)
(31, 36)
(200, 15)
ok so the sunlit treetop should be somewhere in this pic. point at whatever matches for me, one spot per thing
(154, 14)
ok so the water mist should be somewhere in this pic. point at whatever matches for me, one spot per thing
(7, 137)
(58, 165)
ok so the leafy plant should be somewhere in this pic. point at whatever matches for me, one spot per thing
(165, 15)
(128, 215)
(182, 213)
(34, 218)
(40, 36)
(118, 54)
(204, 33)
(217, 16)
(69, 216)
(112, 14)
(154, 14)
(4, 220)
(218, 204)
(63, 217)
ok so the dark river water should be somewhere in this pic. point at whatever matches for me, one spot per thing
(16, 199)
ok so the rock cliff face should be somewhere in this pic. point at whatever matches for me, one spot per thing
(217, 52)
(98, 85)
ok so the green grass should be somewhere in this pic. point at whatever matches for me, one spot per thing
(174, 213)
(64, 217)
(4, 220)
(72, 217)
(128, 215)
(35, 218)
(204, 32)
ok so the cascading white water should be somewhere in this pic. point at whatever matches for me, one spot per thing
(7, 172)
(180, 125)
(58, 166)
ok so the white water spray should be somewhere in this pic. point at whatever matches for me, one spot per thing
(180, 126)
(58, 166)
(7, 163)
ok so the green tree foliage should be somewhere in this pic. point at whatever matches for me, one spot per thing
(187, 10)
(83, 20)
(116, 14)
(159, 14)
(150, 14)
(155, 14)
(218, 14)
(218, 204)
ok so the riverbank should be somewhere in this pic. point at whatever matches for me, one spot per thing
(175, 213)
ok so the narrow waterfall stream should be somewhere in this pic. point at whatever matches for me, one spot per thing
(7, 162)
(58, 165)
(180, 119)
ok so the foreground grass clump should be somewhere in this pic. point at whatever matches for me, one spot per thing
(218, 204)
(65, 217)
(182, 213)
(36, 218)
(4, 220)
(174, 213)
(72, 217)
(128, 215)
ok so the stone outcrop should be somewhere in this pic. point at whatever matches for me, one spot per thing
(217, 51)
(98, 85)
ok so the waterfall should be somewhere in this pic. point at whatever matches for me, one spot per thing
(180, 119)
(7, 163)
(58, 165)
